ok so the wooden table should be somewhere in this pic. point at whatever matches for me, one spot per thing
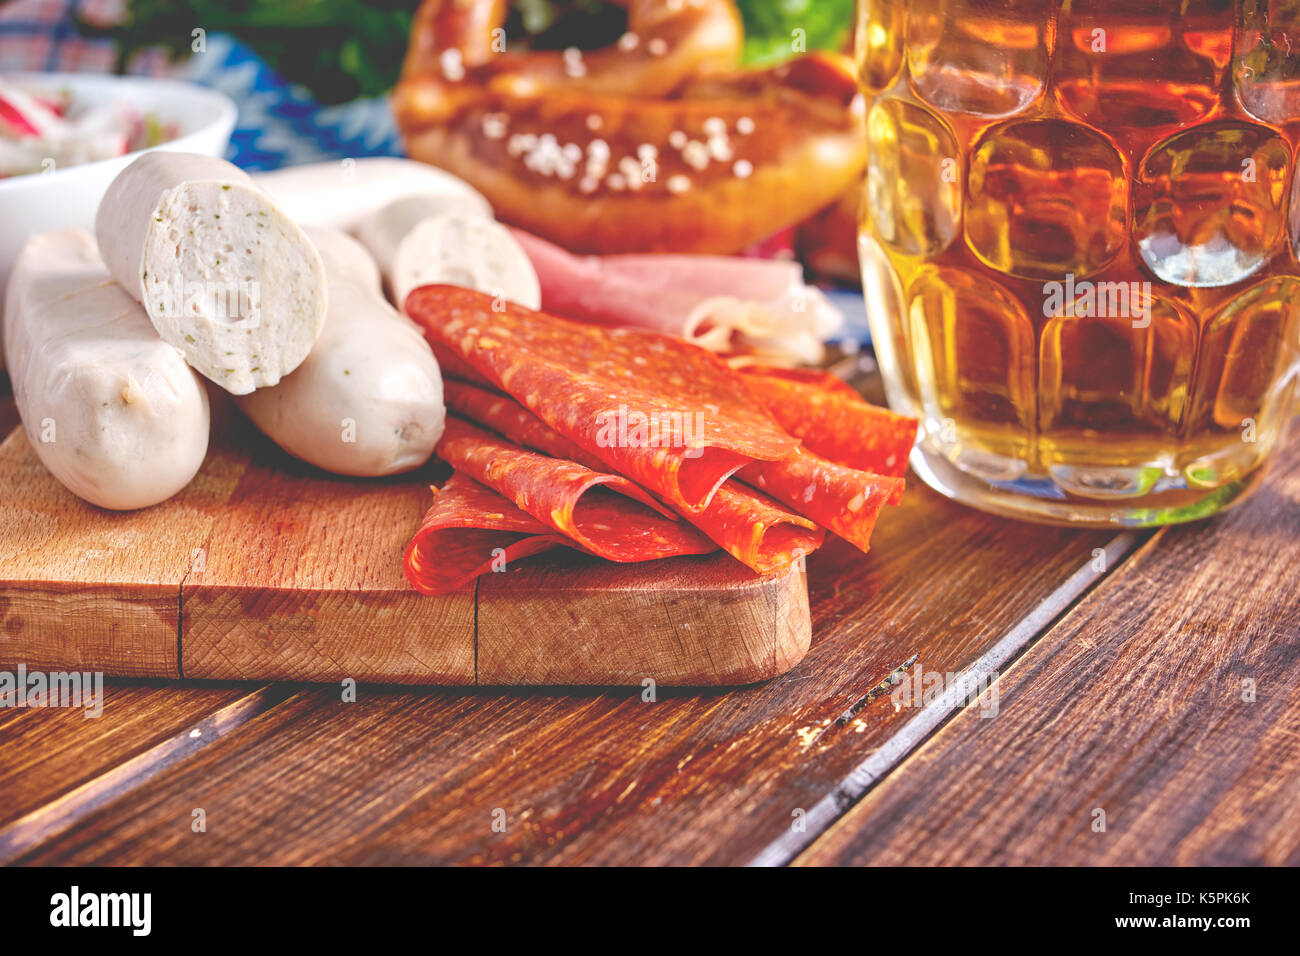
(1147, 710)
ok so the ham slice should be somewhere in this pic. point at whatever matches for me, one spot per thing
(722, 303)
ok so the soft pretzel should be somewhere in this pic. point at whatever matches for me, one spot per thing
(658, 143)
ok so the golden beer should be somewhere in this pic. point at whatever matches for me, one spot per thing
(1080, 240)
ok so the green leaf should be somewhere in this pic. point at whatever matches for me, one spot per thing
(770, 26)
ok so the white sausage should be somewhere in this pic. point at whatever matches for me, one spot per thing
(223, 273)
(452, 247)
(368, 400)
(110, 409)
(340, 193)
(383, 230)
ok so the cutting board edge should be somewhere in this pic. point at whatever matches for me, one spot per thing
(133, 636)
(674, 650)
(137, 625)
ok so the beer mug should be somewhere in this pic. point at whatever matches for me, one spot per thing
(1079, 243)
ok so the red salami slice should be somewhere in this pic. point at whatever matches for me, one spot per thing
(602, 513)
(748, 526)
(833, 420)
(843, 500)
(452, 364)
(819, 377)
(755, 530)
(469, 531)
(668, 415)
(503, 414)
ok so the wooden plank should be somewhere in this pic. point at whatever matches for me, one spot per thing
(112, 579)
(302, 580)
(570, 619)
(48, 752)
(710, 777)
(265, 568)
(63, 813)
(1136, 705)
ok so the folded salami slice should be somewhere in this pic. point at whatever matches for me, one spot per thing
(604, 514)
(452, 364)
(750, 527)
(827, 381)
(668, 415)
(843, 500)
(503, 414)
(755, 530)
(469, 531)
(831, 419)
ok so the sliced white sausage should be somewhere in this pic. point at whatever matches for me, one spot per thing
(368, 400)
(383, 230)
(454, 247)
(340, 193)
(110, 409)
(224, 275)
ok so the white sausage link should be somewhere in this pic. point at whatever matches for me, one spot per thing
(368, 400)
(223, 273)
(419, 242)
(383, 230)
(110, 409)
(341, 193)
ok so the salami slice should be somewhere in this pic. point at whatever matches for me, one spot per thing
(755, 530)
(843, 500)
(469, 531)
(503, 414)
(668, 415)
(833, 420)
(749, 526)
(604, 514)
(452, 364)
(827, 381)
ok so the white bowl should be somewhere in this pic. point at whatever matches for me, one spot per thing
(70, 196)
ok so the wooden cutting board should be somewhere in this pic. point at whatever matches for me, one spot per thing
(267, 569)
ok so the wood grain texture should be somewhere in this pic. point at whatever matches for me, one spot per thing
(301, 579)
(708, 620)
(112, 579)
(1137, 705)
(171, 743)
(47, 751)
(693, 777)
(265, 568)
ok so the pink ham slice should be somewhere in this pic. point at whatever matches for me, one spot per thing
(722, 303)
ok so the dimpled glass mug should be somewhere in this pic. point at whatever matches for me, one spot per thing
(1079, 242)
